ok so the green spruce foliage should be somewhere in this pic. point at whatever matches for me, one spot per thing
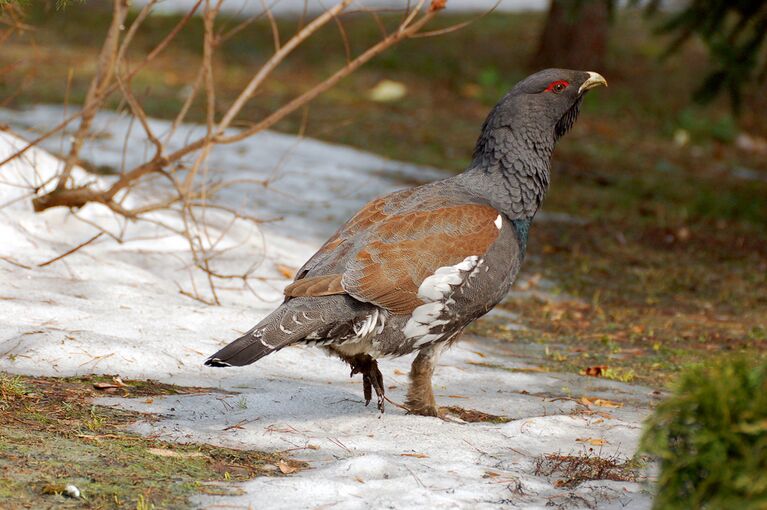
(711, 439)
(735, 35)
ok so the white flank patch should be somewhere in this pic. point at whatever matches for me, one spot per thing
(498, 222)
(437, 286)
(435, 291)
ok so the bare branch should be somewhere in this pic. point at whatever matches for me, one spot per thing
(276, 59)
(70, 252)
(273, 25)
(147, 60)
(185, 168)
(402, 33)
(96, 92)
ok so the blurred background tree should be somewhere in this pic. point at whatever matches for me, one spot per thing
(574, 35)
(734, 33)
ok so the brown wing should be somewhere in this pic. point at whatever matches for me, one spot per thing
(325, 285)
(395, 252)
(407, 249)
(337, 248)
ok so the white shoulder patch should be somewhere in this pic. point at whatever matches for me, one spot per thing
(498, 222)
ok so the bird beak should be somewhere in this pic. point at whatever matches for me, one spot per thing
(594, 80)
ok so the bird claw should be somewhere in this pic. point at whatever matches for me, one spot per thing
(366, 388)
(372, 379)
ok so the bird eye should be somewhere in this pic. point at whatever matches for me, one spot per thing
(557, 86)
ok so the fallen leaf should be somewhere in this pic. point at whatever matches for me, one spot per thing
(359, 479)
(106, 386)
(387, 91)
(595, 371)
(286, 468)
(397, 371)
(286, 271)
(416, 455)
(593, 441)
(119, 382)
(600, 402)
(456, 396)
(607, 403)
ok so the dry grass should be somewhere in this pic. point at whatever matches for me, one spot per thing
(573, 470)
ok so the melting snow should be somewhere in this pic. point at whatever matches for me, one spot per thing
(116, 308)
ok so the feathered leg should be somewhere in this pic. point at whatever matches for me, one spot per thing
(420, 395)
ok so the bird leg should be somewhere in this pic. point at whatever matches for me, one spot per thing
(372, 379)
(420, 395)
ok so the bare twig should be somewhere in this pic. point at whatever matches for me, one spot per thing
(186, 167)
(70, 252)
(96, 92)
(276, 59)
(147, 60)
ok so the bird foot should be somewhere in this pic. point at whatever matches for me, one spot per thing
(372, 379)
(423, 410)
(443, 413)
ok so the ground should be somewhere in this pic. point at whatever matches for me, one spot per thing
(651, 254)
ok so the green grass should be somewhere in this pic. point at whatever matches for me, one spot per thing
(53, 436)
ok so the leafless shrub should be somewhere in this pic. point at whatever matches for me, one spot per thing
(189, 190)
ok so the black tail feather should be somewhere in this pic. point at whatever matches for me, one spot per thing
(279, 329)
(293, 321)
(248, 349)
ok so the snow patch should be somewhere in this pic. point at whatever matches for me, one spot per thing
(116, 309)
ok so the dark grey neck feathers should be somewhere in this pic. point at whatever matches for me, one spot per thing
(511, 165)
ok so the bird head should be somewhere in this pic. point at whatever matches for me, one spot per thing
(549, 100)
(519, 134)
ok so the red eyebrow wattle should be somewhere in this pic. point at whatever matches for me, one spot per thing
(555, 83)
